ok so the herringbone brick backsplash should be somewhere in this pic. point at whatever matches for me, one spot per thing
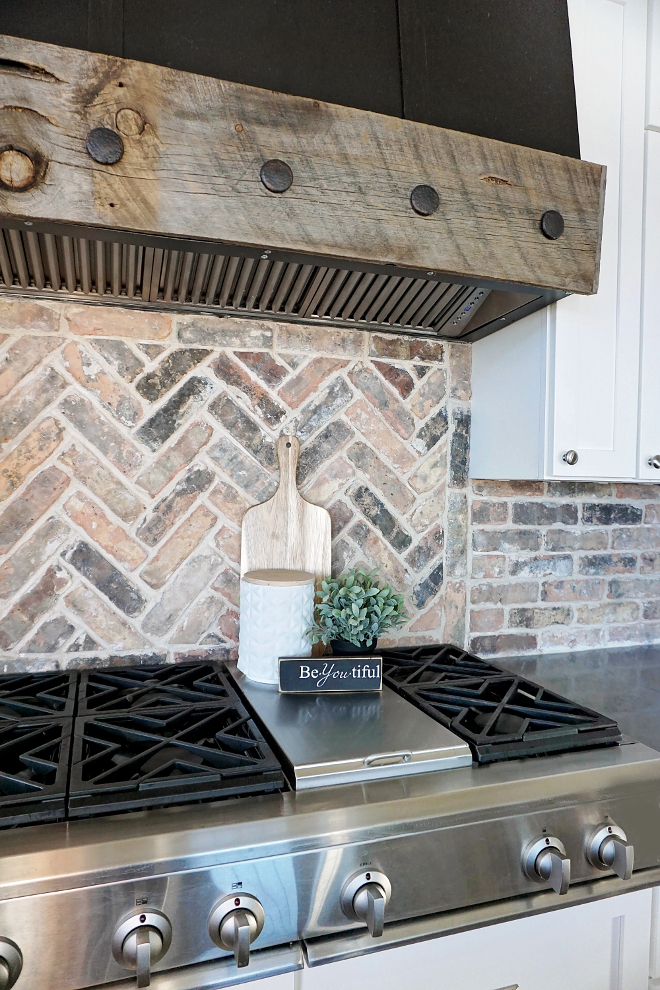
(133, 442)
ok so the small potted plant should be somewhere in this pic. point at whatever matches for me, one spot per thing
(353, 610)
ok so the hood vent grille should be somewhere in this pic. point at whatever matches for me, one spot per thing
(60, 265)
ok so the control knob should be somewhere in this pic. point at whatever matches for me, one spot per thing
(11, 963)
(364, 897)
(234, 923)
(140, 941)
(545, 859)
(609, 849)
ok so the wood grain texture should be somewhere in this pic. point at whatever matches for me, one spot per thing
(286, 531)
(193, 171)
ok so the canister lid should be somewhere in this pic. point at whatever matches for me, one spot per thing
(278, 577)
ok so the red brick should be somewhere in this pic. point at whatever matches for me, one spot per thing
(507, 489)
(486, 619)
(429, 394)
(106, 534)
(332, 479)
(229, 543)
(372, 428)
(23, 615)
(403, 348)
(652, 514)
(571, 590)
(110, 321)
(515, 593)
(229, 625)
(432, 619)
(295, 337)
(488, 565)
(21, 514)
(399, 378)
(382, 398)
(607, 613)
(178, 547)
(634, 492)
(23, 314)
(636, 632)
(264, 365)
(431, 471)
(231, 503)
(88, 372)
(175, 458)
(485, 513)
(503, 643)
(103, 483)
(21, 357)
(28, 455)
(340, 516)
(228, 584)
(460, 371)
(112, 630)
(258, 399)
(557, 638)
(309, 379)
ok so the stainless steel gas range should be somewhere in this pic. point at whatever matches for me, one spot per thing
(230, 887)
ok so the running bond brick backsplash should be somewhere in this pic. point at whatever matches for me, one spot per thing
(133, 442)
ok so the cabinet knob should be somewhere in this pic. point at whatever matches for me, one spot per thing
(571, 457)
(546, 859)
(654, 462)
(609, 849)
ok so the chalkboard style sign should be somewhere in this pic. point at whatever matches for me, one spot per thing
(314, 675)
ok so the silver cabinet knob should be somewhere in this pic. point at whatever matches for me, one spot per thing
(545, 859)
(364, 897)
(234, 924)
(609, 849)
(654, 462)
(141, 940)
(11, 963)
(571, 457)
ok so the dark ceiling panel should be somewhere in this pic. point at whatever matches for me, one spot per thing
(59, 22)
(499, 68)
(340, 51)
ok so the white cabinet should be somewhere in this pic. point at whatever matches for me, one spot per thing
(649, 406)
(567, 378)
(599, 946)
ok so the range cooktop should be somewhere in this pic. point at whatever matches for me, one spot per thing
(123, 739)
(500, 715)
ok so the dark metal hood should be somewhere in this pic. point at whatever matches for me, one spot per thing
(129, 183)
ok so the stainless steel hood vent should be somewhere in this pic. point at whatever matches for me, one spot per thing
(137, 185)
(229, 283)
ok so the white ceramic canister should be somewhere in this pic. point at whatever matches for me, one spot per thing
(277, 608)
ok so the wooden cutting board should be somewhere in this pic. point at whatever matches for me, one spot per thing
(286, 531)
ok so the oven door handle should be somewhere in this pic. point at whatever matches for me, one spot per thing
(385, 759)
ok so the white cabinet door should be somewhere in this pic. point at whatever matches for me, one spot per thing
(598, 946)
(649, 410)
(594, 385)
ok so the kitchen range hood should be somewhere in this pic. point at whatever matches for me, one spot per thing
(134, 184)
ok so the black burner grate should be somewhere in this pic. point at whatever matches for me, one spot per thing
(147, 758)
(140, 737)
(499, 714)
(49, 695)
(34, 762)
(159, 686)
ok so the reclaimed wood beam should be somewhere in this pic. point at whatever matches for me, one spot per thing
(190, 154)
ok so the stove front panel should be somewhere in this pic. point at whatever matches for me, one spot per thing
(66, 936)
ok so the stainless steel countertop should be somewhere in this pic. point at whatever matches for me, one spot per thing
(622, 683)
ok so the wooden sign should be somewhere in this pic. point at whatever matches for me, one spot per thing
(327, 675)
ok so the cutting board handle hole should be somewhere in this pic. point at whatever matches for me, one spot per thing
(288, 443)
